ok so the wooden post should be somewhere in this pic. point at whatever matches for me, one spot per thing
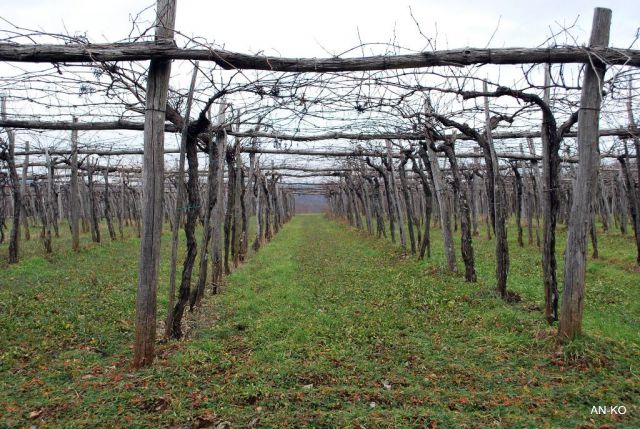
(228, 217)
(537, 189)
(14, 240)
(121, 207)
(218, 210)
(53, 204)
(153, 184)
(236, 233)
(258, 198)
(107, 205)
(47, 210)
(622, 206)
(24, 193)
(93, 209)
(60, 206)
(267, 209)
(73, 192)
(83, 204)
(588, 153)
(518, 208)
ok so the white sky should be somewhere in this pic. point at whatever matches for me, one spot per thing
(311, 28)
(323, 28)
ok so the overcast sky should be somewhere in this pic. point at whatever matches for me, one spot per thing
(329, 27)
(313, 28)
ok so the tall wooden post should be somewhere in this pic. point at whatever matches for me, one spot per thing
(24, 193)
(537, 189)
(60, 206)
(258, 199)
(93, 209)
(588, 154)
(152, 182)
(107, 204)
(217, 215)
(15, 185)
(73, 192)
(47, 210)
(236, 236)
(121, 206)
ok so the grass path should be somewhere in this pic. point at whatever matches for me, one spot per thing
(323, 327)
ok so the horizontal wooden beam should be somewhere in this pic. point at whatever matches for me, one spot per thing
(140, 51)
(410, 136)
(300, 152)
(121, 124)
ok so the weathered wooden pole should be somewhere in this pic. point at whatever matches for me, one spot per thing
(93, 207)
(537, 189)
(14, 240)
(236, 230)
(46, 207)
(82, 188)
(518, 209)
(24, 193)
(228, 216)
(60, 205)
(153, 183)
(107, 205)
(121, 206)
(588, 153)
(53, 205)
(268, 208)
(258, 199)
(217, 215)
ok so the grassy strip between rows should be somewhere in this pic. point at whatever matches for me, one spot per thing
(324, 327)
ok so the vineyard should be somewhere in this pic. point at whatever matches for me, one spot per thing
(433, 238)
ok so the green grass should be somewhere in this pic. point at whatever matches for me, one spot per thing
(324, 327)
